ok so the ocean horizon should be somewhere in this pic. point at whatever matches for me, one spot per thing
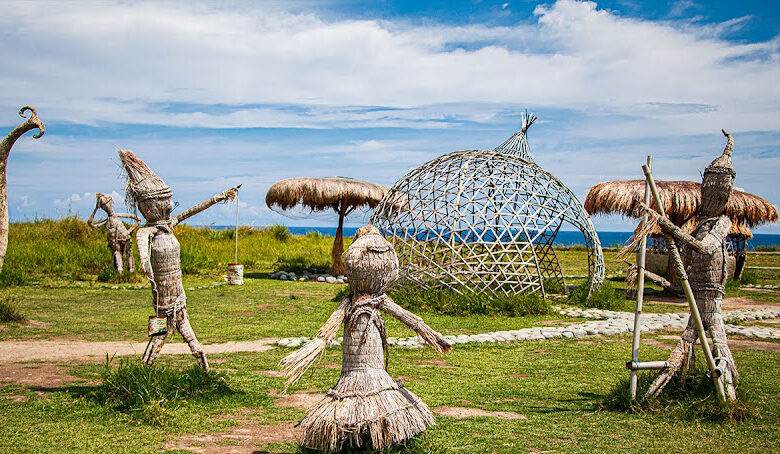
(564, 237)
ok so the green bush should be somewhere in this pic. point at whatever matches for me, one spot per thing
(749, 278)
(604, 297)
(691, 397)
(8, 311)
(449, 302)
(770, 248)
(12, 277)
(280, 233)
(149, 393)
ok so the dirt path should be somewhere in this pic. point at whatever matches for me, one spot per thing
(18, 351)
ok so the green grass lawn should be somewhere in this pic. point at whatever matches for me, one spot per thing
(558, 385)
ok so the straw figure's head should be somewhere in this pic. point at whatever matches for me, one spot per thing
(145, 190)
(105, 202)
(718, 182)
(370, 263)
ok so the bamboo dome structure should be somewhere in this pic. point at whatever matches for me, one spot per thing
(681, 201)
(340, 194)
(484, 221)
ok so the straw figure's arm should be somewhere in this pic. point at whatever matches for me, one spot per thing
(230, 194)
(142, 240)
(92, 217)
(296, 363)
(415, 323)
(130, 216)
(711, 243)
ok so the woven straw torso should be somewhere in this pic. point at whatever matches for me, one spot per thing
(707, 272)
(116, 231)
(166, 267)
(362, 348)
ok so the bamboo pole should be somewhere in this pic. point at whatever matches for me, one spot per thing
(235, 259)
(675, 254)
(640, 293)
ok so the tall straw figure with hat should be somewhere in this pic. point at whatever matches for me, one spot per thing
(159, 249)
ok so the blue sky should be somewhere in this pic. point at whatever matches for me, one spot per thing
(215, 94)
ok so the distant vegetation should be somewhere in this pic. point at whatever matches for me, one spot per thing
(67, 249)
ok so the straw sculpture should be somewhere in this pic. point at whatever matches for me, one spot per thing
(705, 263)
(484, 221)
(119, 236)
(340, 194)
(366, 407)
(5, 149)
(159, 249)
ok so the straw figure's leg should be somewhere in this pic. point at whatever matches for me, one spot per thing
(127, 251)
(118, 265)
(183, 325)
(721, 351)
(681, 360)
(157, 345)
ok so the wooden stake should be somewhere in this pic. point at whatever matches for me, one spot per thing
(675, 254)
(640, 294)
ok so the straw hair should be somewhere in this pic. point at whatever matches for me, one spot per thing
(142, 183)
(681, 200)
(323, 193)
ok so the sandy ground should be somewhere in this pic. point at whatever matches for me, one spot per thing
(19, 351)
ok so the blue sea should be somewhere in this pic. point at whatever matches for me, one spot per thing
(564, 238)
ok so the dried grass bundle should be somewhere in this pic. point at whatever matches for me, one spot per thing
(681, 200)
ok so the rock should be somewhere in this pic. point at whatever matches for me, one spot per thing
(330, 280)
(320, 278)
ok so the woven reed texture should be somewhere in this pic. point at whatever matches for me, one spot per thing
(705, 264)
(5, 150)
(120, 241)
(483, 220)
(366, 407)
(159, 249)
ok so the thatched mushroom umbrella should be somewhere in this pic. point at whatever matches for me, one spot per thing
(681, 200)
(342, 195)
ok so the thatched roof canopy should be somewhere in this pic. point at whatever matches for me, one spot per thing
(323, 193)
(681, 202)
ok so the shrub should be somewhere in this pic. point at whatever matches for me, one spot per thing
(449, 302)
(604, 297)
(690, 397)
(149, 393)
(8, 311)
(12, 277)
(280, 233)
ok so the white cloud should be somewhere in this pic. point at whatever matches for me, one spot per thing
(92, 62)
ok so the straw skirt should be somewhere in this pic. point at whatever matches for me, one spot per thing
(366, 405)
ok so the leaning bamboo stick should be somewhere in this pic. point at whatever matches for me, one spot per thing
(675, 253)
(640, 291)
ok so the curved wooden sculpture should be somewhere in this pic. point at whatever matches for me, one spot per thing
(705, 265)
(366, 406)
(5, 149)
(159, 250)
(120, 240)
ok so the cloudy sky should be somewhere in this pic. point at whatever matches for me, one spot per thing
(213, 94)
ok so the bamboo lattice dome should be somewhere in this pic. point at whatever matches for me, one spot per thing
(485, 221)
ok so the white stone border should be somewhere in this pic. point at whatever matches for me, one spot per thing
(606, 323)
